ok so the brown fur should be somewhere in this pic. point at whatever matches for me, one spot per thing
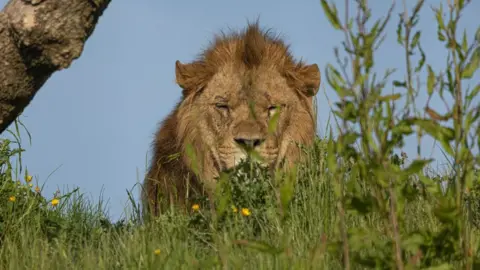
(214, 114)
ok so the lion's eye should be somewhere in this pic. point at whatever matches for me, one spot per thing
(221, 106)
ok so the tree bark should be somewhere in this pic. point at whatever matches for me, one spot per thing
(37, 38)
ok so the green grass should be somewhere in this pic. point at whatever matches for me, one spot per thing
(75, 234)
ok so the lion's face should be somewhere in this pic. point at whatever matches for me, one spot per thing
(236, 92)
(237, 108)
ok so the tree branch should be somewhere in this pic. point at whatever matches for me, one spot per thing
(37, 38)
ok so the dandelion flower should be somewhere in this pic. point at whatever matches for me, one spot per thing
(12, 198)
(28, 178)
(55, 202)
(30, 185)
(234, 209)
(195, 207)
(37, 189)
(246, 212)
(156, 251)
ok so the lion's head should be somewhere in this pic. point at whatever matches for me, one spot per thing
(232, 91)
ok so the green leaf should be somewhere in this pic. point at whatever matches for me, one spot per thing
(451, 26)
(474, 93)
(287, 189)
(430, 80)
(443, 134)
(347, 110)
(413, 241)
(191, 154)
(458, 49)
(336, 81)
(446, 211)
(440, 35)
(436, 116)
(254, 155)
(392, 97)
(430, 185)
(399, 31)
(273, 122)
(400, 84)
(416, 166)
(450, 81)
(439, 17)
(464, 41)
(477, 35)
(441, 24)
(362, 205)
(421, 62)
(417, 8)
(402, 128)
(251, 109)
(350, 138)
(472, 65)
(471, 117)
(415, 40)
(334, 75)
(469, 179)
(331, 14)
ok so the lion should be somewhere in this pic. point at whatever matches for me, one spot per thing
(229, 95)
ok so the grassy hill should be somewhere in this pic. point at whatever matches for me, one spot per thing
(357, 202)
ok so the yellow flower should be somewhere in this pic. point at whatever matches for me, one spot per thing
(37, 189)
(30, 185)
(12, 198)
(55, 202)
(157, 251)
(245, 212)
(28, 178)
(195, 207)
(234, 209)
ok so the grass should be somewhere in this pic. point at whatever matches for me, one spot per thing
(75, 235)
(356, 202)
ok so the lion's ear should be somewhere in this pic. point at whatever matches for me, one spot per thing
(304, 78)
(310, 78)
(191, 77)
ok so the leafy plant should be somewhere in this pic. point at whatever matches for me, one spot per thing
(374, 121)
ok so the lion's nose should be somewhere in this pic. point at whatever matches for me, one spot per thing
(250, 142)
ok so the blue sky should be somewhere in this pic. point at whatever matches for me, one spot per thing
(92, 124)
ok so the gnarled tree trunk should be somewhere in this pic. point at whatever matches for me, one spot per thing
(37, 38)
